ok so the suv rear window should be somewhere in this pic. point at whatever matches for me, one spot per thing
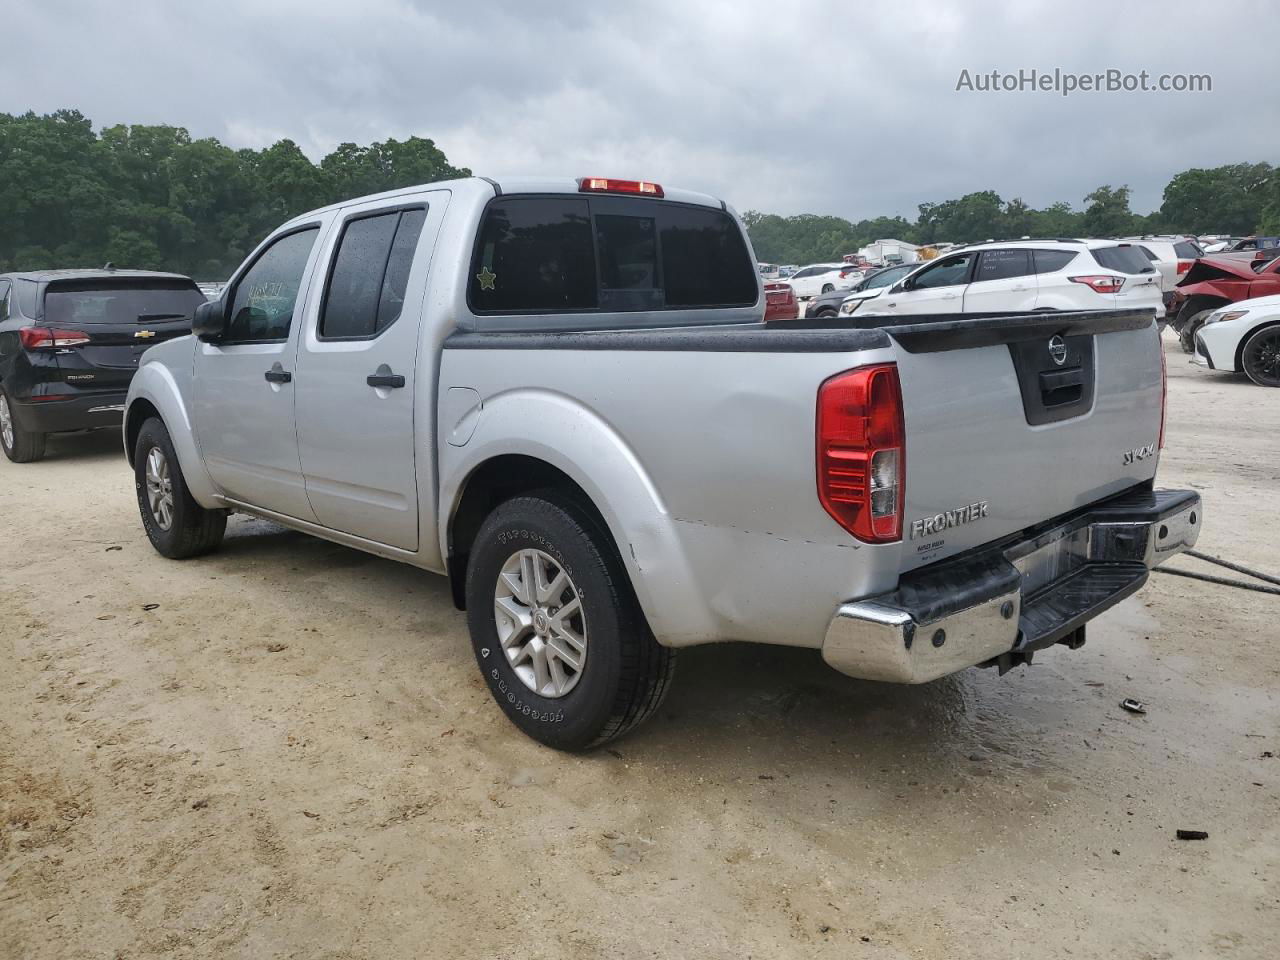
(607, 253)
(119, 301)
(1124, 259)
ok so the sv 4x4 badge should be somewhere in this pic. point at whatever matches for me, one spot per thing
(1139, 454)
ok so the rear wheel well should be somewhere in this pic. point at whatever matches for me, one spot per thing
(1200, 301)
(492, 483)
(140, 411)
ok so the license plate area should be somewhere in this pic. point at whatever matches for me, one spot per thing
(1041, 563)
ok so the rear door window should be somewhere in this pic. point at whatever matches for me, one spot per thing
(366, 288)
(1123, 259)
(1187, 250)
(1050, 261)
(607, 253)
(1002, 265)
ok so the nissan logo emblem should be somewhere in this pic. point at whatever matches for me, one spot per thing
(1058, 350)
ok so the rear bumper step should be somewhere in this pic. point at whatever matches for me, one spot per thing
(1015, 596)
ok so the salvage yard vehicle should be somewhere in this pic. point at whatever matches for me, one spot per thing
(561, 394)
(70, 341)
(819, 278)
(1215, 282)
(873, 282)
(1027, 275)
(1243, 338)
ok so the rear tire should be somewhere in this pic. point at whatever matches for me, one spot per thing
(828, 287)
(176, 525)
(1260, 357)
(20, 446)
(543, 577)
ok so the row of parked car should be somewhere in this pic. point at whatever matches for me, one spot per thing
(1201, 296)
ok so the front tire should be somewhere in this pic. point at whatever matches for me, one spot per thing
(828, 287)
(1260, 357)
(20, 446)
(556, 628)
(176, 525)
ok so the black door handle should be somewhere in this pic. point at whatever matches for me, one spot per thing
(277, 375)
(383, 377)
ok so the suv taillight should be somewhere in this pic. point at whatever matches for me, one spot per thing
(42, 338)
(1184, 266)
(1100, 283)
(862, 452)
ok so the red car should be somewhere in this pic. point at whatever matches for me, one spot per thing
(780, 301)
(1214, 282)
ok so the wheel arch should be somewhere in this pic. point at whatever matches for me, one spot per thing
(138, 413)
(155, 393)
(493, 482)
(1244, 338)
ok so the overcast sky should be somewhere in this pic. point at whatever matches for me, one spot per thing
(842, 108)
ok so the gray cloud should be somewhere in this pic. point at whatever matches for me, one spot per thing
(806, 107)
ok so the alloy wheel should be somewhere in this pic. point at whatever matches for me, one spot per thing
(159, 488)
(6, 422)
(541, 624)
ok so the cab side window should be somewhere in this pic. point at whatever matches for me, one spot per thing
(263, 301)
(948, 273)
(366, 288)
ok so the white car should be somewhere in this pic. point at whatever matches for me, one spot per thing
(823, 278)
(1243, 337)
(1023, 275)
(1172, 256)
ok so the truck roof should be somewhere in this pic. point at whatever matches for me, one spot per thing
(566, 185)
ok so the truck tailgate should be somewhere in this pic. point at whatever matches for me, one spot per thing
(1011, 420)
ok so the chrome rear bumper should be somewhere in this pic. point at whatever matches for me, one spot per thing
(1016, 596)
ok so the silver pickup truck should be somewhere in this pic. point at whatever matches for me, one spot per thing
(561, 395)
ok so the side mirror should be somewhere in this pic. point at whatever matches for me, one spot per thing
(210, 321)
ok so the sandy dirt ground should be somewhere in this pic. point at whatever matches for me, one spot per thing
(284, 750)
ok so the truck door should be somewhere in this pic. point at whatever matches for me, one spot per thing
(358, 384)
(244, 387)
(1004, 280)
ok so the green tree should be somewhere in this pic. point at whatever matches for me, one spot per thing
(1229, 199)
(1107, 213)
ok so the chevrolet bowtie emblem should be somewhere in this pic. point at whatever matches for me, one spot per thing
(145, 333)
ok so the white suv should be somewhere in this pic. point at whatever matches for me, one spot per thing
(823, 278)
(1022, 275)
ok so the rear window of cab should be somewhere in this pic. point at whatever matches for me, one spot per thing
(572, 254)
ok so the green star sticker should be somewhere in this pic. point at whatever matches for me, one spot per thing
(487, 278)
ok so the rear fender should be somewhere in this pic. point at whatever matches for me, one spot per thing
(155, 384)
(554, 428)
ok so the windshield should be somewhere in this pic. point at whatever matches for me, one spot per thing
(122, 301)
(884, 278)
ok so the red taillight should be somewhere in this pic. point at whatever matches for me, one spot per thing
(1100, 283)
(1184, 266)
(862, 452)
(42, 338)
(606, 185)
(1164, 391)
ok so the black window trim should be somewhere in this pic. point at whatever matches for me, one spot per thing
(422, 205)
(596, 310)
(228, 295)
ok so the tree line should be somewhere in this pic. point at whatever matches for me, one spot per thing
(1237, 199)
(151, 197)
